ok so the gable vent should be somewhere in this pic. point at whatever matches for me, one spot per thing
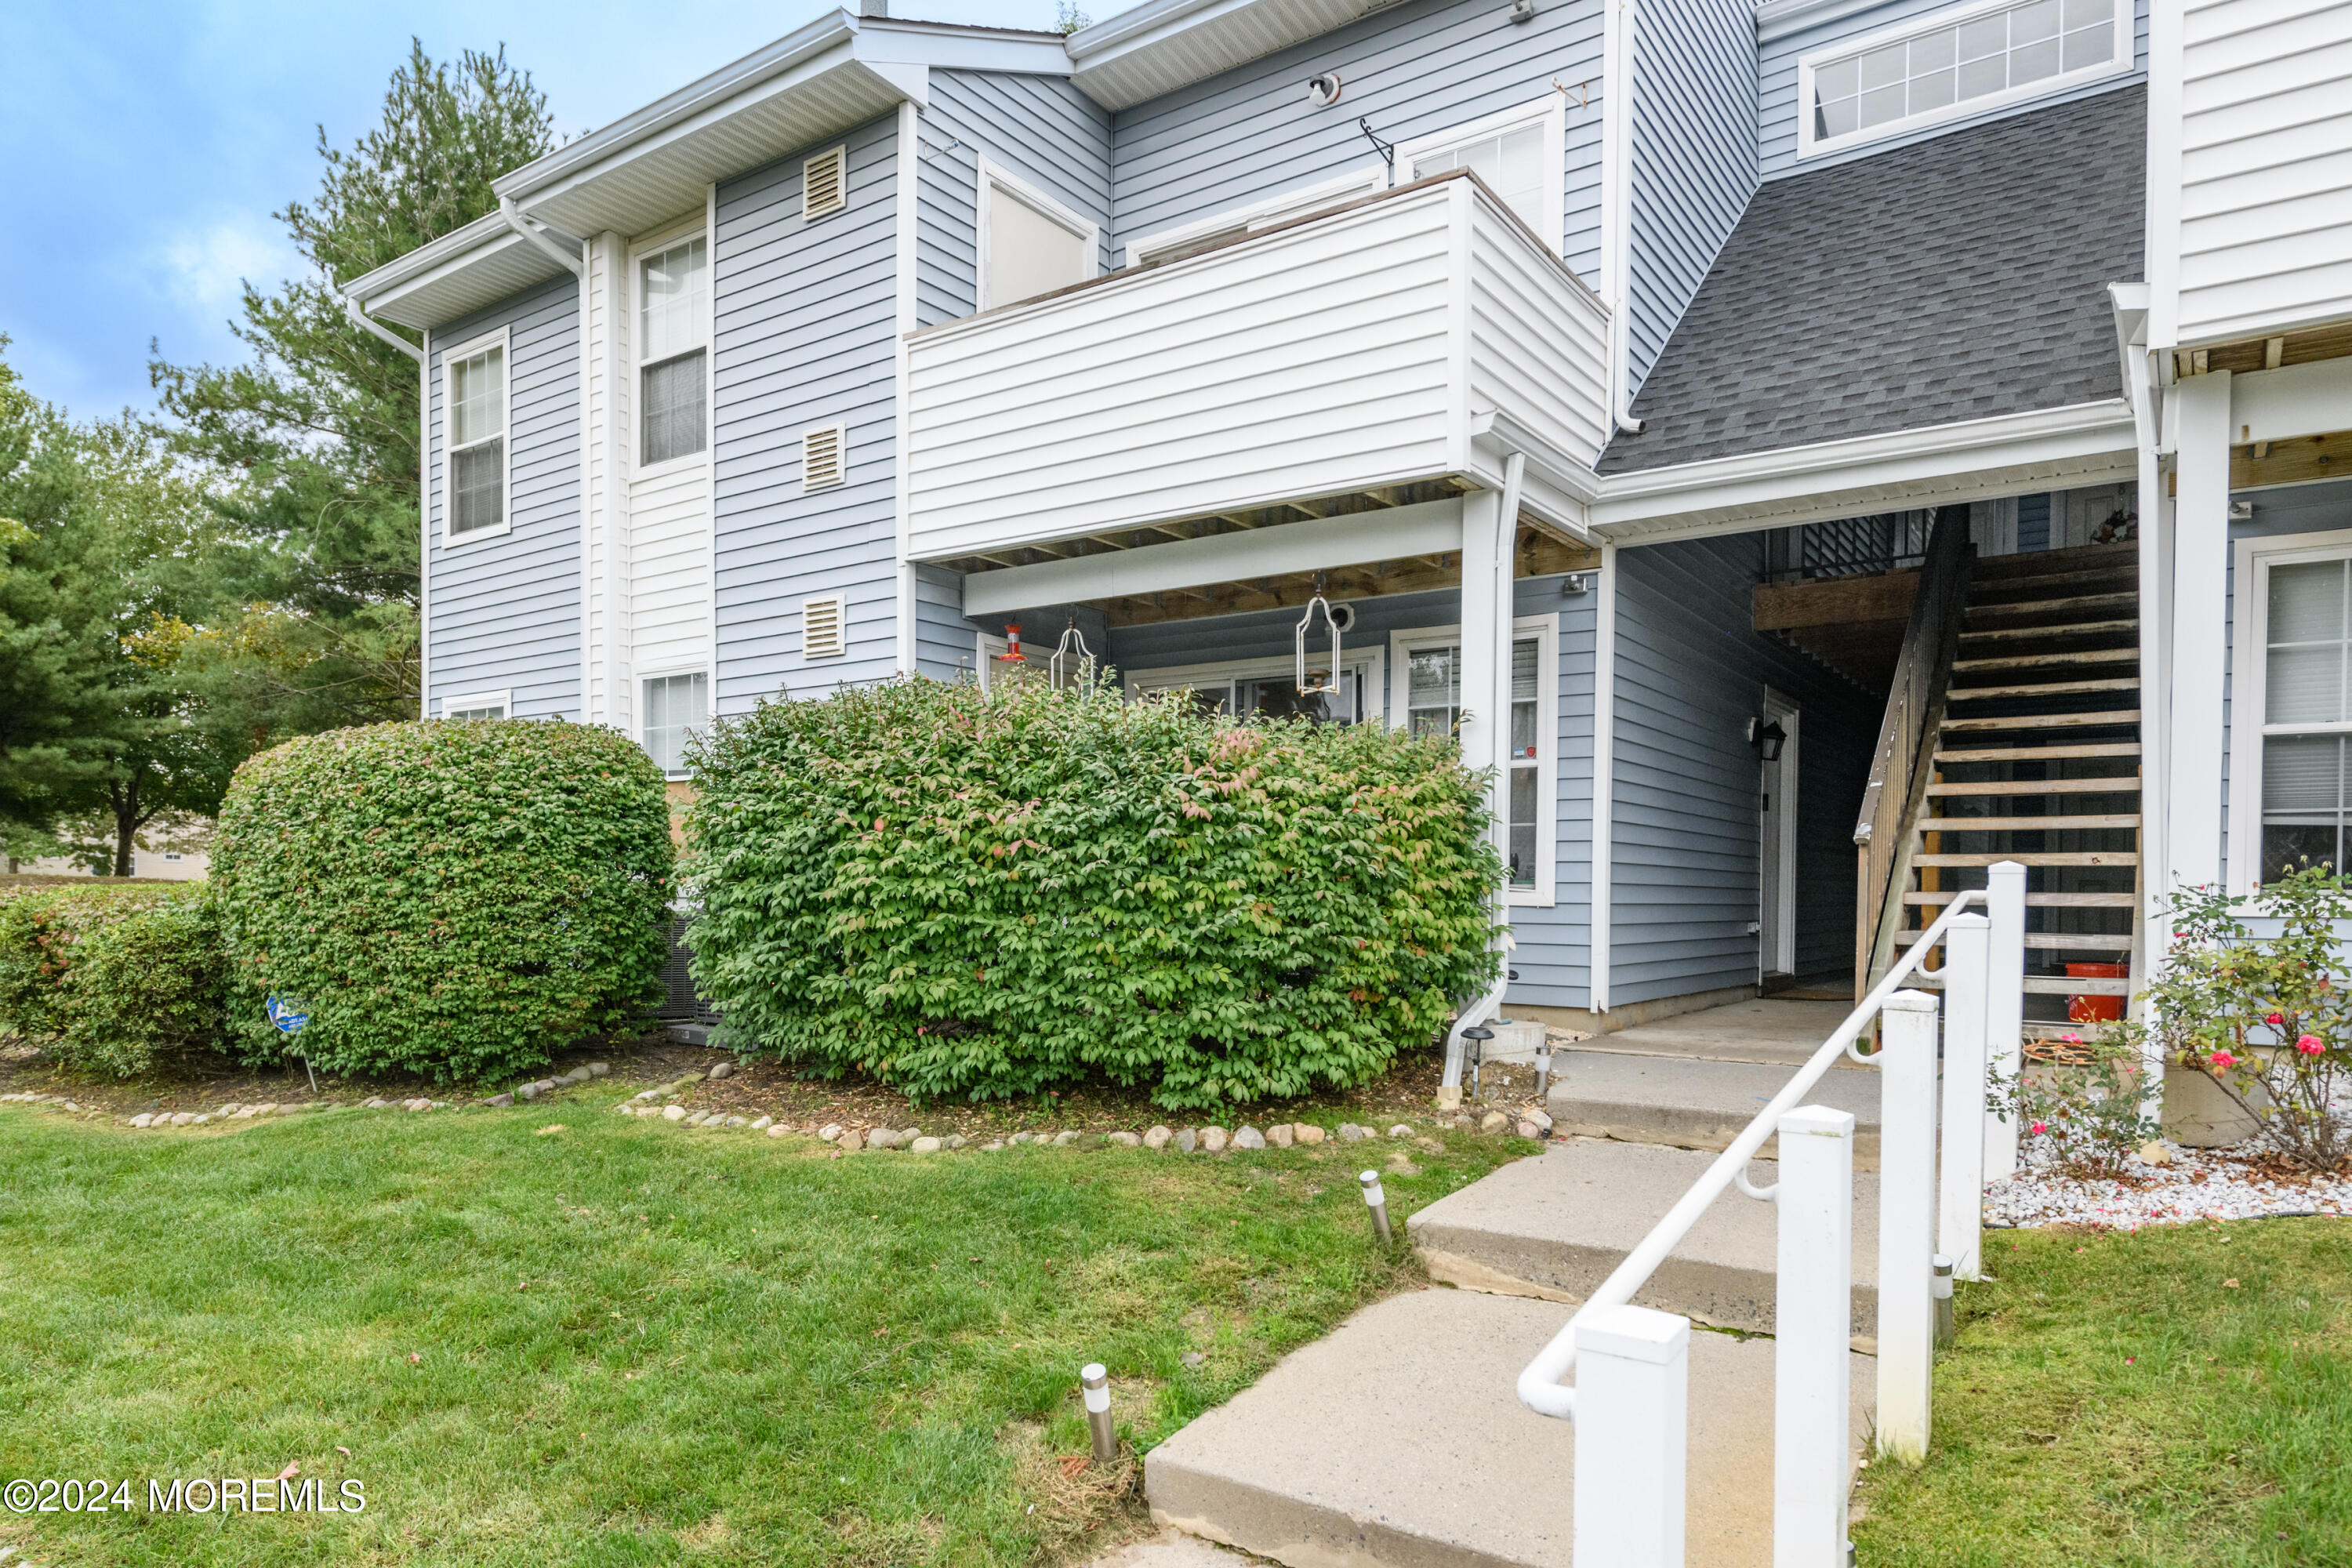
(825, 457)
(824, 627)
(825, 183)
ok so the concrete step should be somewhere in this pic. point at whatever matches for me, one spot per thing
(1396, 1441)
(1554, 1225)
(1781, 1030)
(1693, 1104)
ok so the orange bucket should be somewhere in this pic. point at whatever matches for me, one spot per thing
(2096, 1010)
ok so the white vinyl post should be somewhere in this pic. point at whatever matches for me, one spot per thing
(1813, 1332)
(1907, 1222)
(1633, 1431)
(1960, 1212)
(2004, 1002)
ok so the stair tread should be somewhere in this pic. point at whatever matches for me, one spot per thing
(2040, 754)
(2050, 660)
(2034, 858)
(2107, 573)
(2051, 941)
(2122, 784)
(1561, 1222)
(2094, 822)
(2053, 986)
(1383, 1443)
(2023, 563)
(2115, 627)
(2074, 604)
(2108, 717)
(1666, 1098)
(2035, 900)
(2043, 688)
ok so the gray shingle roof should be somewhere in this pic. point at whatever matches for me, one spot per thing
(1958, 277)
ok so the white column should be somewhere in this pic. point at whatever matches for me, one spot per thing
(903, 229)
(1482, 722)
(1633, 1434)
(2004, 1002)
(1907, 1222)
(1605, 769)
(1961, 1212)
(2200, 569)
(1812, 1333)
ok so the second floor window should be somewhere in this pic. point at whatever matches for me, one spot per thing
(1978, 59)
(1511, 163)
(477, 440)
(674, 352)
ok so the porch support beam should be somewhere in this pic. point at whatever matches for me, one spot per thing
(2200, 569)
(1429, 528)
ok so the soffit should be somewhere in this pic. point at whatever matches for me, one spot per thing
(1161, 46)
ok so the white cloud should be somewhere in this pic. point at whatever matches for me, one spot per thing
(203, 270)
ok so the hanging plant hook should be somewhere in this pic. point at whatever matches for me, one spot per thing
(1062, 650)
(1327, 681)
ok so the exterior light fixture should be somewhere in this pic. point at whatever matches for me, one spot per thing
(1523, 10)
(1323, 88)
(1576, 582)
(1767, 736)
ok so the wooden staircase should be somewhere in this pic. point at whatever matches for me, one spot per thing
(2036, 759)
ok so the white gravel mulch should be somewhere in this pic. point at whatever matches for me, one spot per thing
(2232, 1183)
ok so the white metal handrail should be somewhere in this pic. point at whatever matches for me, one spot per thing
(1539, 1385)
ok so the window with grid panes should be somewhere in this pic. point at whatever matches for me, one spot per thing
(1512, 164)
(1433, 707)
(2306, 716)
(676, 707)
(477, 440)
(1976, 56)
(673, 315)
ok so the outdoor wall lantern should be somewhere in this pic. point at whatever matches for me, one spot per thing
(1767, 736)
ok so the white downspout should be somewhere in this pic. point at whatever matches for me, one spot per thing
(906, 260)
(1605, 773)
(1617, 201)
(1490, 701)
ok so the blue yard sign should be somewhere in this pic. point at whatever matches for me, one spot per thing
(289, 1015)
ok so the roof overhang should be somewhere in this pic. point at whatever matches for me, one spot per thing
(649, 167)
(1939, 464)
(1162, 45)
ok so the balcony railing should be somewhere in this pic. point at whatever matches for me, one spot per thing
(1351, 349)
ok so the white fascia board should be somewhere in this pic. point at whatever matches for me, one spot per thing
(433, 256)
(2313, 399)
(1430, 527)
(1971, 459)
(1162, 45)
(460, 280)
(949, 46)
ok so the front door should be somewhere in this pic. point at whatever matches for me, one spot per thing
(1777, 849)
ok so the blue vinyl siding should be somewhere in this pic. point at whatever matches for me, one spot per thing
(1694, 157)
(1690, 674)
(1412, 70)
(504, 613)
(2303, 509)
(1041, 129)
(1776, 98)
(805, 316)
(1554, 957)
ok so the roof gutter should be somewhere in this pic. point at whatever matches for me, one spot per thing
(362, 319)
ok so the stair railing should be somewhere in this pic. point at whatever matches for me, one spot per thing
(1631, 1400)
(1904, 764)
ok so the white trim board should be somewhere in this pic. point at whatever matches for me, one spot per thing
(1428, 528)
(1545, 630)
(1264, 212)
(2252, 560)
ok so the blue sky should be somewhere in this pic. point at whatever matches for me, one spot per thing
(146, 145)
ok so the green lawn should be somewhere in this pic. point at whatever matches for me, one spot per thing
(622, 1342)
(2175, 1397)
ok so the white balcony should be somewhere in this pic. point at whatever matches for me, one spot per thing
(1391, 340)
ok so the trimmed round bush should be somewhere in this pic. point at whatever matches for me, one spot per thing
(452, 898)
(117, 980)
(979, 895)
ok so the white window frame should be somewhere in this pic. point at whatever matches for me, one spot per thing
(665, 239)
(1551, 112)
(709, 702)
(500, 700)
(1369, 662)
(1266, 212)
(2250, 679)
(1545, 629)
(2120, 61)
(499, 338)
(994, 182)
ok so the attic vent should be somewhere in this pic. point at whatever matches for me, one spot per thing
(825, 457)
(824, 627)
(825, 183)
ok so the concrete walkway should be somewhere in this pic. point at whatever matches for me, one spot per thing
(1765, 1029)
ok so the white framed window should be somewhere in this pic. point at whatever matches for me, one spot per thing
(1955, 63)
(1428, 664)
(1170, 244)
(673, 351)
(2290, 706)
(477, 705)
(676, 707)
(477, 489)
(1521, 154)
(1030, 244)
(1270, 686)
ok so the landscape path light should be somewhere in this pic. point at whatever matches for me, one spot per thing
(1094, 1378)
(1377, 1201)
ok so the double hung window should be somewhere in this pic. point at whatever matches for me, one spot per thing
(673, 351)
(476, 395)
(1432, 706)
(677, 707)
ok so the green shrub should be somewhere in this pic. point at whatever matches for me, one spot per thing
(984, 895)
(453, 897)
(117, 979)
